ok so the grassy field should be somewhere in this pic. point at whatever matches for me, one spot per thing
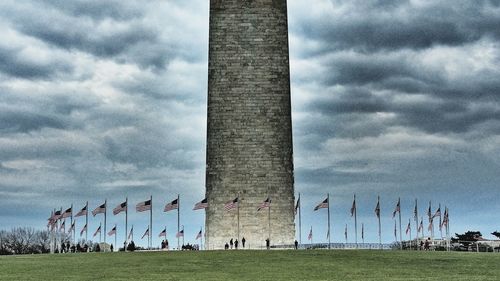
(254, 265)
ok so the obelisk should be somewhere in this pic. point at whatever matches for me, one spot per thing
(249, 127)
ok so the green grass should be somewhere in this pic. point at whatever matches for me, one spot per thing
(254, 265)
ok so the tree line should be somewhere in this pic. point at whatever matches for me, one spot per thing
(24, 240)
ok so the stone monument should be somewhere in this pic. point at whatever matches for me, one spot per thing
(249, 130)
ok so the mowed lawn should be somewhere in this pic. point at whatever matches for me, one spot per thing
(254, 265)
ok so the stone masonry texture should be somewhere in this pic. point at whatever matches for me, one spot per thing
(249, 130)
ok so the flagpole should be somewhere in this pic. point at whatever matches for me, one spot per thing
(328, 197)
(448, 227)
(105, 214)
(416, 222)
(409, 224)
(87, 223)
(74, 238)
(400, 229)
(269, 218)
(126, 225)
(178, 221)
(151, 222)
(379, 225)
(355, 222)
(431, 220)
(183, 234)
(422, 220)
(53, 234)
(440, 221)
(345, 234)
(363, 233)
(201, 238)
(59, 233)
(300, 222)
(238, 210)
(115, 235)
(100, 232)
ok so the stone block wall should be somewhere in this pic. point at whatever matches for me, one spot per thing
(249, 130)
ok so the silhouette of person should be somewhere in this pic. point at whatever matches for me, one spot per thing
(231, 243)
(243, 242)
(268, 243)
(236, 244)
(296, 244)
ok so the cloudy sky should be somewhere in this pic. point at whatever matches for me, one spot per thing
(107, 99)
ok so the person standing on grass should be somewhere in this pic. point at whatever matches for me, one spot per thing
(296, 244)
(231, 243)
(268, 243)
(236, 244)
(243, 242)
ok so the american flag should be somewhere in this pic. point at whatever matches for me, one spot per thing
(63, 226)
(408, 227)
(353, 208)
(67, 213)
(130, 233)
(97, 231)
(120, 208)
(57, 215)
(143, 206)
(232, 204)
(112, 231)
(377, 208)
(429, 212)
(174, 205)
(322, 205)
(72, 227)
(83, 212)
(398, 208)
(99, 210)
(265, 204)
(310, 236)
(438, 213)
(198, 236)
(50, 220)
(83, 230)
(163, 233)
(445, 218)
(421, 225)
(145, 233)
(297, 205)
(203, 204)
(180, 234)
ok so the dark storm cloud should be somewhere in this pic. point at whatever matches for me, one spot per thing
(16, 64)
(372, 25)
(26, 122)
(103, 29)
(98, 10)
